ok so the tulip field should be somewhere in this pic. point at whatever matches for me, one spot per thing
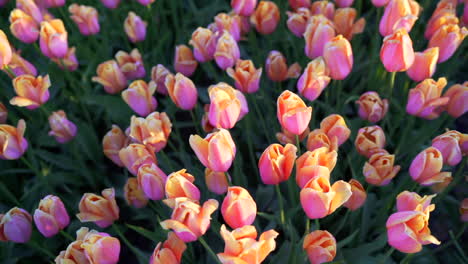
(233, 131)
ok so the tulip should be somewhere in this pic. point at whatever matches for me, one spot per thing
(266, 17)
(379, 170)
(335, 127)
(296, 4)
(227, 51)
(204, 44)
(397, 52)
(12, 141)
(158, 78)
(320, 246)
(69, 62)
(216, 182)
(317, 139)
(180, 184)
(319, 31)
(20, 66)
(358, 196)
(61, 128)
(53, 39)
(379, 3)
(134, 195)
(464, 144)
(319, 199)
(102, 210)
(15, 226)
(189, 220)
(153, 132)
(152, 181)
(398, 14)
(227, 106)
(285, 137)
(238, 208)
(246, 77)
(30, 7)
(139, 96)
(369, 140)
(5, 50)
(3, 113)
(101, 248)
(425, 99)
(134, 156)
(243, 7)
(292, 113)
(86, 18)
(184, 60)
(338, 56)
(216, 151)
(449, 147)
(312, 164)
(276, 163)
(371, 107)
(182, 91)
(444, 14)
(411, 201)
(297, 21)
(458, 96)
(314, 79)
(170, 251)
(323, 8)
(230, 24)
(135, 27)
(111, 77)
(245, 24)
(111, 4)
(276, 67)
(112, 143)
(205, 122)
(426, 167)
(464, 210)
(131, 64)
(344, 21)
(23, 26)
(31, 91)
(74, 251)
(424, 64)
(51, 216)
(242, 246)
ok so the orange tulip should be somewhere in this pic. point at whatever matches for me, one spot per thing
(227, 106)
(86, 18)
(344, 21)
(216, 182)
(204, 44)
(276, 163)
(135, 27)
(23, 26)
(297, 21)
(266, 17)
(239, 208)
(182, 91)
(133, 194)
(425, 99)
(318, 138)
(424, 64)
(134, 156)
(358, 196)
(158, 78)
(139, 97)
(112, 143)
(379, 170)
(458, 96)
(184, 61)
(293, 114)
(369, 140)
(111, 77)
(399, 14)
(411, 201)
(20, 66)
(320, 246)
(152, 131)
(320, 30)
(317, 163)
(102, 210)
(31, 91)
(131, 64)
(230, 24)
(314, 79)
(246, 77)
(53, 38)
(338, 56)
(101, 248)
(371, 107)
(180, 184)
(12, 141)
(324, 8)
(169, 252)
(426, 167)
(397, 52)
(335, 127)
(152, 181)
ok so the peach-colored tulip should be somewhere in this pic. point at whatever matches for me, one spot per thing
(30, 8)
(230, 24)
(285, 137)
(243, 7)
(448, 38)
(31, 91)
(69, 62)
(74, 252)
(135, 27)
(440, 19)
(449, 146)
(204, 44)
(101, 248)
(139, 97)
(458, 96)
(371, 107)
(426, 167)
(314, 79)
(319, 199)
(182, 91)
(338, 56)
(102, 210)
(216, 182)
(3, 113)
(319, 31)
(276, 163)
(216, 151)
(12, 141)
(440, 186)
(292, 113)
(23, 26)
(296, 4)
(158, 78)
(189, 220)
(424, 64)
(227, 106)
(227, 51)
(133, 194)
(266, 17)
(297, 21)
(320, 246)
(425, 99)
(111, 4)
(169, 252)
(369, 140)
(134, 156)
(180, 184)
(380, 169)
(318, 138)
(345, 24)
(276, 66)
(131, 64)
(86, 18)
(239, 208)
(397, 52)
(323, 8)
(51, 216)
(112, 143)
(411, 201)
(358, 196)
(20, 66)
(61, 128)
(110, 76)
(15, 226)
(152, 181)
(464, 210)
(184, 60)
(53, 38)
(246, 77)
(5, 50)
(335, 126)
(153, 132)
(399, 14)
(242, 247)
(317, 163)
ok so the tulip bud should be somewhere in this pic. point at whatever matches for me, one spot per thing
(152, 181)
(276, 66)
(239, 208)
(317, 139)
(51, 216)
(284, 137)
(180, 184)
(379, 170)
(296, 4)
(86, 18)
(369, 140)
(170, 251)
(397, 52)
(276, 163)
(134, 156)
(31, 91)
(448, 38)
(338, 56)
(53, 39)
(133, 194)
(425, 99)
(426, 167)
(464, 209)
(424, 64)
(335, 127)
(266, 17)
(204, 44)
(227, 51)
(69, 62)
(312, 164)
(411, 201)
(158, 78)
(112, 143)
(135, 27)
(358, 196)
(184, 61)
(30, 8)
(5, 50)
(314, 79)
(230, 24)
(227, 106)
(297, 21)
(182, 91)
(345, 25)
(292, 113)
(320, 246)
(323, 8)
(319, 31)
(371, 107)
(101, 248)
(399, 14)
(61, 128)
(153, 132)
(449, 147)
(110, 76)
(102, 210)
(111, 4)
(458, 96)
(246, 77)
(3, 113)
(12, 141)
(23, 26)
(131, 64)
(20, 66)
(15, 225)
(139, 96)
(216, 182)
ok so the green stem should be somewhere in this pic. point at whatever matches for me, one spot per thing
(307, 226)
(208, 248)
(35, 246)
(280, 202)
(317, 224)
(9, 71)
(66, 235)
(392, 84)
(298, 144)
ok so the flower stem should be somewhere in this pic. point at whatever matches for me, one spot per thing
(280, 201)
(392, 84)
(298, 144)
(307, 226)
(208, 248)
(66, 235)
(317, 224)
(9, 71)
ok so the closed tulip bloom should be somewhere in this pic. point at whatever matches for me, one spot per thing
(426, 167)
(371, 107)
(182, 91)
(448, 38)
(30, 8)
(15, 226)
(449, 146)
(189, 220)
(266, 17)
(297, 21)
(243, 7)
(239, 208)
(424, 64)
(158, 78)
(3, 113)
(131, 64)
(133, 194)
(335, 126)
(245, 24)
(246, 76)
(358, 196)
(20, 66)
(464, 210)
(399, 14)
(180, 184)
(204, 44)
(101, 248)
(216, 151)
(345, 24)
(61, 128)
(135, 27)
(5, 50)
(152, 180)
(227, 23)
(276, 163)
(169, 252)
(227, 106)
(139, 96)
(102, 210)
(440, 19)
(411, 201)
(380, 168)
(184, 60)
(276, 66)
(111, 77)
(242, 246)
(338, 56)
(369, 140)
(292, 113)
(425, 99)
(111, 4)
(112, 143)
(134, 156)
(319, 198)
(53, 39)
(317, 163)
(216, 182)
(320, 246)
(153, 132)
(314, 79)
(12, 141)
(51, 216)
(296, 4)
(227, 51)
(31, 91)
(318, 138)
(397, 52)
(323, 8)
(69, 62)
(23, 26)
(320, 30)
(458, 96)
(86, 18)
